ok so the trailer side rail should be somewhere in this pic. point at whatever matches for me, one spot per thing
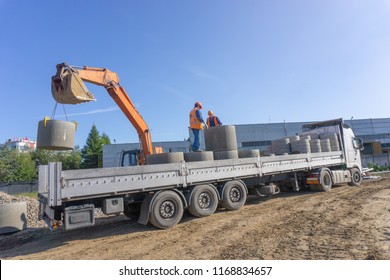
(80, 184)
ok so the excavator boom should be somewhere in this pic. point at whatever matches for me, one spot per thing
(68, 88)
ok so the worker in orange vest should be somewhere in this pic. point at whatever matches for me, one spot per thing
(196, 125)
(213, 120)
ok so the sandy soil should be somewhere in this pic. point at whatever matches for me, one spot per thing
(344, 223)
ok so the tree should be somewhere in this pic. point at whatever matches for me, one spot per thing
(43, 157)
(105, 139)
(15, 166)
(93, 149)
(8, 165)
(27, 170)
(19, 166)
(69, 159)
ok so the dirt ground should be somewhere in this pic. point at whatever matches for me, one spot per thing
(344, 223)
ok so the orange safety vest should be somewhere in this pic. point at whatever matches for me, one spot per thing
(194, 121)
(215, 121)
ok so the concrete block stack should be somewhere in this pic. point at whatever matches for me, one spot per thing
(248, 153)
(281, 146)
(222, 141)
(175, 157)
(333, 139)
(325, 145)
(300, 146)
(308, 143)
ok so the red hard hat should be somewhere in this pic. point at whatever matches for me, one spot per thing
(198, 104)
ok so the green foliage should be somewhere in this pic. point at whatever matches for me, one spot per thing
(69, 159)
(378, 168)
(27, 171)
(16, 166)
(105, 139)
(92, 151)
(28, 194)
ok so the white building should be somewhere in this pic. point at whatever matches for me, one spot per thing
(21, 144)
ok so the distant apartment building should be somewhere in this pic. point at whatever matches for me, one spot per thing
(21, 144)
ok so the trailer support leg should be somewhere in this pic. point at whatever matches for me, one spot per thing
(296, 187)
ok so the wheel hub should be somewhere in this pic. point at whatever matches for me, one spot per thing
(167, 209)
(235, 195)
(204, 200)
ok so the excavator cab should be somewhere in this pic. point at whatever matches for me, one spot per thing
(68, 88)
(129, 158)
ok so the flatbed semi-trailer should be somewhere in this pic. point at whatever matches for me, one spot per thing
(160, 193)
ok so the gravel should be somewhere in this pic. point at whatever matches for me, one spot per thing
(33, 221)
(32, 208)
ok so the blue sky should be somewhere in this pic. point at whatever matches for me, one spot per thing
(249, 61)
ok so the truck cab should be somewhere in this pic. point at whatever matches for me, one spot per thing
(350, 145)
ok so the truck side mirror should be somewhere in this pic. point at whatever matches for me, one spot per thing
(358, 144)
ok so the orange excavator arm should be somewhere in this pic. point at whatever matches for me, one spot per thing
(68, 88)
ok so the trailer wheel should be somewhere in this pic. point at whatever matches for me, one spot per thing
(233, 195)
(356, 177)
(325, 181)
(166, 210)
(203, 201)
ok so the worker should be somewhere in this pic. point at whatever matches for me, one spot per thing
(213, 120)
(196, 125)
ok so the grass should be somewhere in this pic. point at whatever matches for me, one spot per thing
(28, 194)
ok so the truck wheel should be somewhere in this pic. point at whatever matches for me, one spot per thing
(166, 210)
(132, 210)
(233, 195)
(325, 181)
(203, 201)
(356, 177)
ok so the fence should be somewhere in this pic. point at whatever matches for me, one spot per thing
(19, 187)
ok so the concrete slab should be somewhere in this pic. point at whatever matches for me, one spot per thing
(13, 217)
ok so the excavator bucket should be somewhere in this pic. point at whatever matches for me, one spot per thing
(68, 88)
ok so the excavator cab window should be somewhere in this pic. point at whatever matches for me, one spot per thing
(130, 158)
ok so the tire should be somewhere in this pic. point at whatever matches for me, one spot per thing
(325, 181)
(166, 210)
(356, 177)
(132, 210)
(203, 201)
(233, 195)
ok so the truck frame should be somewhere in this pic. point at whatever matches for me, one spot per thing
(159, 194)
